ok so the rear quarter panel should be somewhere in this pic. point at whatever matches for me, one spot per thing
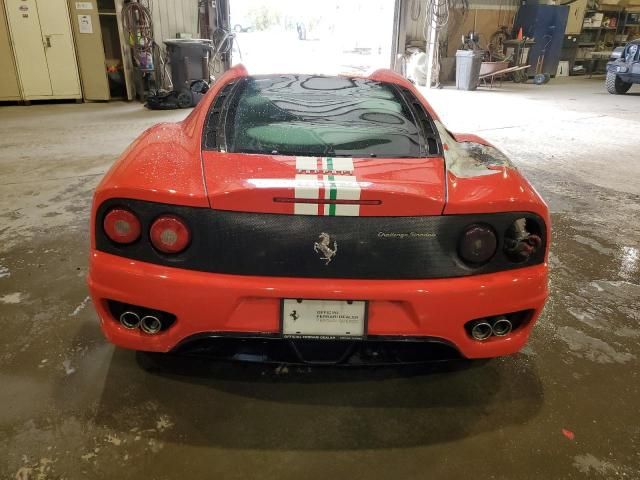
(490, 187)
(164, 163)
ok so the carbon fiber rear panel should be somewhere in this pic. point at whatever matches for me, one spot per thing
(292, 245)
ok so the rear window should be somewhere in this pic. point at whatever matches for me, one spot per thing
(323, 116)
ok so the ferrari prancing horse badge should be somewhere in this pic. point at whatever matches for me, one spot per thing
(323, 246)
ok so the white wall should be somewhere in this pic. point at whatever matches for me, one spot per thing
(483, 16)
(174, 16)
(503, 10)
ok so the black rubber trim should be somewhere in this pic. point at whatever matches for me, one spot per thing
(433, 144)
(212, 133)
(279, 245)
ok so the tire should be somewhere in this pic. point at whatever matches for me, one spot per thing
(520, 76)
(185, 100)
(540, 79)
(616, 86)
(237, 28)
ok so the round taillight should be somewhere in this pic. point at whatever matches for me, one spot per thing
(170, 234)
(477, 244)
(121, 226)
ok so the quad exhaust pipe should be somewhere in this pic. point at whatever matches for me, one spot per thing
(145, 320)
(148, 324)
(483, 329)
(130, 320)
(501, 326)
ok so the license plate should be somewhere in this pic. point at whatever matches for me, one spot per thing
(323, 319)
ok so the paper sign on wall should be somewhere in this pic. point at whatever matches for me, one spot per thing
(84, 6)
(84, 24)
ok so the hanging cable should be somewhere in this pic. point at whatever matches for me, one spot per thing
(224, 40)
(138, 26)
(416, 9)
(437, 14)
(436, 18)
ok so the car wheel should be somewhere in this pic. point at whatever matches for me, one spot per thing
(185, 100)
(615, 85)
(540, 79)
(237, 28)
(520, 76)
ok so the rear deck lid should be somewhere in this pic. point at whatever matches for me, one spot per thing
(318, 145)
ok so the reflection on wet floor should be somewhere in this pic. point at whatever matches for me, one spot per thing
(99, 400)
(75, 407)
(592, 280)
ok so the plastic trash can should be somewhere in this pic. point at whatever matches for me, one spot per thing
(468, 63)
(189, 60)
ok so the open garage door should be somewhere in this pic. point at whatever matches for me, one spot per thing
(313, 36)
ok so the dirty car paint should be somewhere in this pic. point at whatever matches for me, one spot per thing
(466, 158)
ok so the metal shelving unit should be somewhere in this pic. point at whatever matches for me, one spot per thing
(603, 39)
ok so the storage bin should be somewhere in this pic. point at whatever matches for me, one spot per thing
(468, 63)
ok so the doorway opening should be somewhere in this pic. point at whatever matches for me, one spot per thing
(348, 37)
(112, 51)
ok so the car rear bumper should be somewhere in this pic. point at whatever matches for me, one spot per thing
(234, 305)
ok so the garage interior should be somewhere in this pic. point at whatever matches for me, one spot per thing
(74, 406)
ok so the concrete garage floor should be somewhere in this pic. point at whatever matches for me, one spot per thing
(72, 406)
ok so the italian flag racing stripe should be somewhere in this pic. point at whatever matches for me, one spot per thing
(329, 178)
(333, 194)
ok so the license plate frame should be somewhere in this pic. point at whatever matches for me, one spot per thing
(330, 327)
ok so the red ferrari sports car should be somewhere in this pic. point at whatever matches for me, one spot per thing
(333, 217)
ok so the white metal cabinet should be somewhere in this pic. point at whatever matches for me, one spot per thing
(9, 86)
(28, 48)
(43, 48)
(59, 49)
(90, 51)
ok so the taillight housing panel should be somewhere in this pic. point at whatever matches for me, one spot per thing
(166, 233)
(512, 240)
(279, 245)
